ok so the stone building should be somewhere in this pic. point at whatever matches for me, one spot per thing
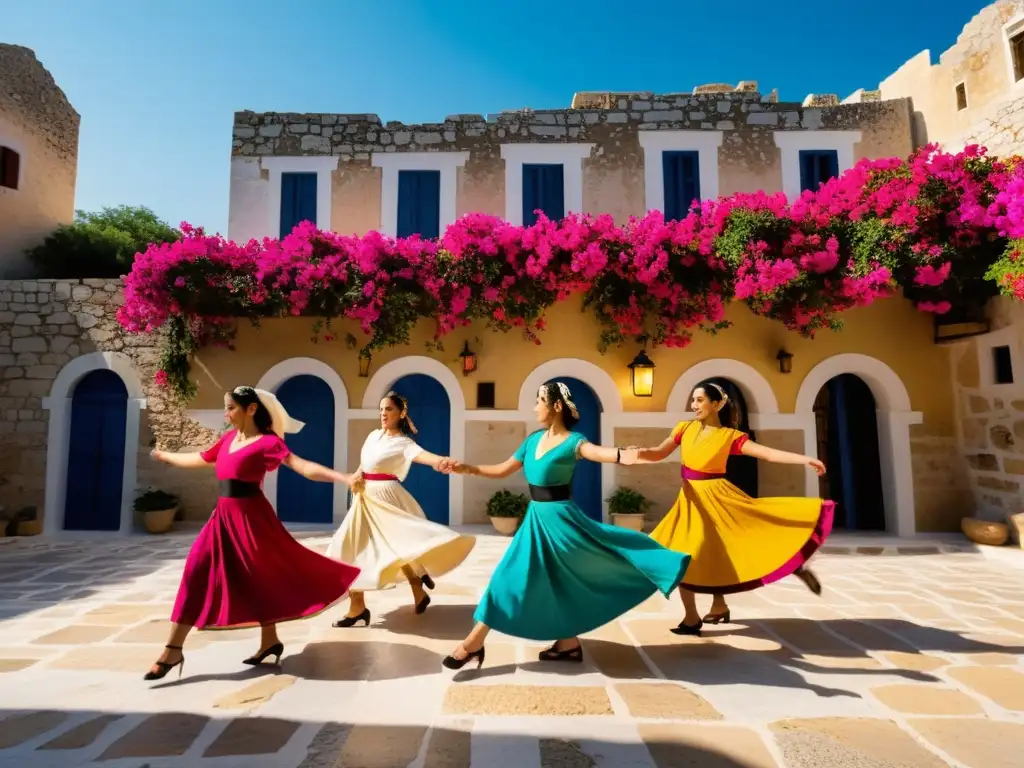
(974, 94)
(38, 157)
(623, 153)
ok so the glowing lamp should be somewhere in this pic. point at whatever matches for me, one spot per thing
(641, 375)
(468, 360)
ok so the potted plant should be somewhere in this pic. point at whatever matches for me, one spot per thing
(158, 509)
(627, 508)
(27, 523)
(506, 510)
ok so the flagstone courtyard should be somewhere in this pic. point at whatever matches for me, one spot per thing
(912, 657)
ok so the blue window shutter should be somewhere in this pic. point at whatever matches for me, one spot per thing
(681, 172)
(419, 204)
(544, 190)
(817, 167)
(298, 200)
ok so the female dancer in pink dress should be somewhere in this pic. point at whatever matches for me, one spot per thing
(245, 570)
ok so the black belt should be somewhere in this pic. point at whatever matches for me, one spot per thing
(550, 492)
(238, 489)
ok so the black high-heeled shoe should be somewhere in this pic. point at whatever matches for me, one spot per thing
(350, 621)
(163, 667)
(421, 606)
(688, 629)
(806, 575)
(718, 618)
(276, 650)
(569, 654)
(427, 581)
(450, 662)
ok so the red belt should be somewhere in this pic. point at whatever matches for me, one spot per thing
(380, 477)
(695, 474)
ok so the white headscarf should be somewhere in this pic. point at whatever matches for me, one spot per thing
(280, 421)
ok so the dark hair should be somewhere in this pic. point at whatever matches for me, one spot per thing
(553, 395)
(728, 414)
(246, 396)
(404, 423)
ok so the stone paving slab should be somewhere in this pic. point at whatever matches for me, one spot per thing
(911, 657)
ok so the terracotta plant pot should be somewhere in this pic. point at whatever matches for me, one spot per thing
(1016, 525)
(985, 532)
(632, 520)
(28, 528)
(159, 520)
(506, 526)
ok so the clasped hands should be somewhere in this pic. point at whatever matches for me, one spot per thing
(448, 465)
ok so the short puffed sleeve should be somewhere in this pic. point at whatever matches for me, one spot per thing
(738, 439)
(411, 449)
(210, 454)
(678, 430)
(274, 452)
(520, 454)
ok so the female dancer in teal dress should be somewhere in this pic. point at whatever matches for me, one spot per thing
(563, 574)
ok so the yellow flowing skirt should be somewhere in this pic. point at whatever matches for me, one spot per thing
(738, 543)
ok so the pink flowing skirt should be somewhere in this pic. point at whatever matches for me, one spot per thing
(246, 570)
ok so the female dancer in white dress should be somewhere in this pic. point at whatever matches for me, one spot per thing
(385, 534)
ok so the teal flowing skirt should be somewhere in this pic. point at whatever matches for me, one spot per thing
(565, 574)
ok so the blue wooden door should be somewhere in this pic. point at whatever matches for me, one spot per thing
(99, 409)
(586, 480)
(419, 204)
(681, 171)
(817, 167)
(310, 400)
(298, 200)
(543, 190)
(855, 472)
(431, 412)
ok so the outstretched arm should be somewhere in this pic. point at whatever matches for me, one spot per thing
(491, 471)
(775, 456)
(181, 460)
(604, 455)
(658, 453)
(432, 460)
(313, 471)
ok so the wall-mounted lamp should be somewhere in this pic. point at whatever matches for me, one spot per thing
(641, 373)
(468, 360)
(364, 364)
(785, 361)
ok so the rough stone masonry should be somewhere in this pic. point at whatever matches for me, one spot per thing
(595, 116)
(44, 325)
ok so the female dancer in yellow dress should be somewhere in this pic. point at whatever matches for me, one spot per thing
(385, 534)
(738, 543)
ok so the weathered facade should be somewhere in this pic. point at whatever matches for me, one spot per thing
(610, 147)
(38, 157)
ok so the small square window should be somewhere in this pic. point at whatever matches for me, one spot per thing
(1017, 55)
(1002, 364)
(961, 97)
(485, 394)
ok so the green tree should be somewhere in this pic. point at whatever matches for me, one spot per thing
(100, 244)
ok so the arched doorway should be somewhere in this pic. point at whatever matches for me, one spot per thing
(847, 430)
(586, 481)
(309, 399)
(740, 470)
(431, 412)
(96, 453)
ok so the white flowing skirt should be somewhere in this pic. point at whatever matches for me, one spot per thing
(386, 529)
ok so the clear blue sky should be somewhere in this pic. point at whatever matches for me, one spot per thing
(157, 82)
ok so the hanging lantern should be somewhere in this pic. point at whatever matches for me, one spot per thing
(468, 360)
(641, 375)
(785, 361)
(364, 364)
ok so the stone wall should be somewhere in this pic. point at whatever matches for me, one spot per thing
(353, 137)
(38, 122)
(978, 62)
(44, 324)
